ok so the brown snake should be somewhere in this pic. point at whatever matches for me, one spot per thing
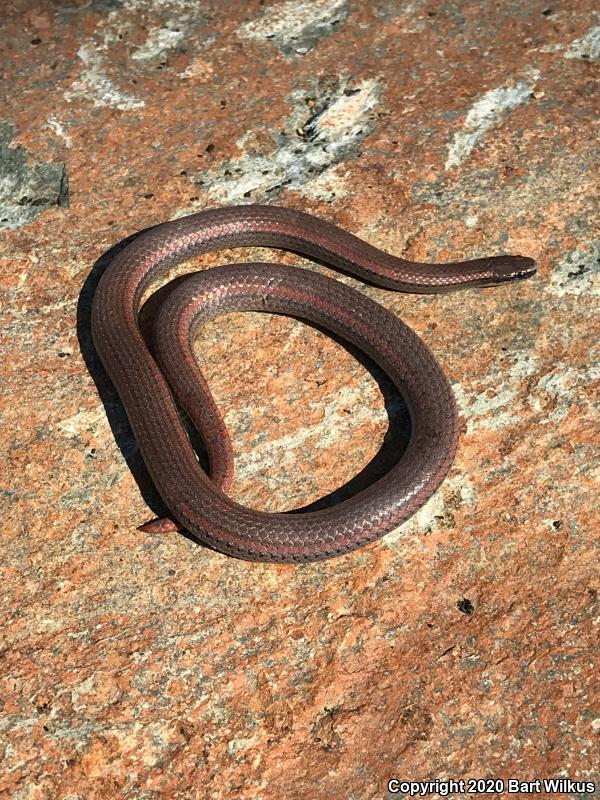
(198, 502)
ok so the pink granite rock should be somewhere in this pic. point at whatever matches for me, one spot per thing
(464, 644)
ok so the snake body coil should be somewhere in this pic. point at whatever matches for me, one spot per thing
(199, 502)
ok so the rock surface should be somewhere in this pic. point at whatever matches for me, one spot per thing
(465, 644)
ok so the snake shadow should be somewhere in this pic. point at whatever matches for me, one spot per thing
(393, 446)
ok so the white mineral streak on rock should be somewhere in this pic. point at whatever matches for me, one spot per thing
(486, 113)
(342, 124)
(159, 42)
(287, 22)
(324, 434)
(331, 185)
(557, 392)
(491, 409)
(85, 420)
(56, 125)
(587, 47)
(577, 273)
(95, 85)
(95, 53)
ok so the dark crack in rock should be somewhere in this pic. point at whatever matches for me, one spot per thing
(26, 190)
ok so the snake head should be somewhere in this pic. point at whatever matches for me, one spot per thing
(512, 268)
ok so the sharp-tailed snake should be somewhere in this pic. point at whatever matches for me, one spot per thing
(148, 386)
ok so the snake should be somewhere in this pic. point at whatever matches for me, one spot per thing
(155, 383)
